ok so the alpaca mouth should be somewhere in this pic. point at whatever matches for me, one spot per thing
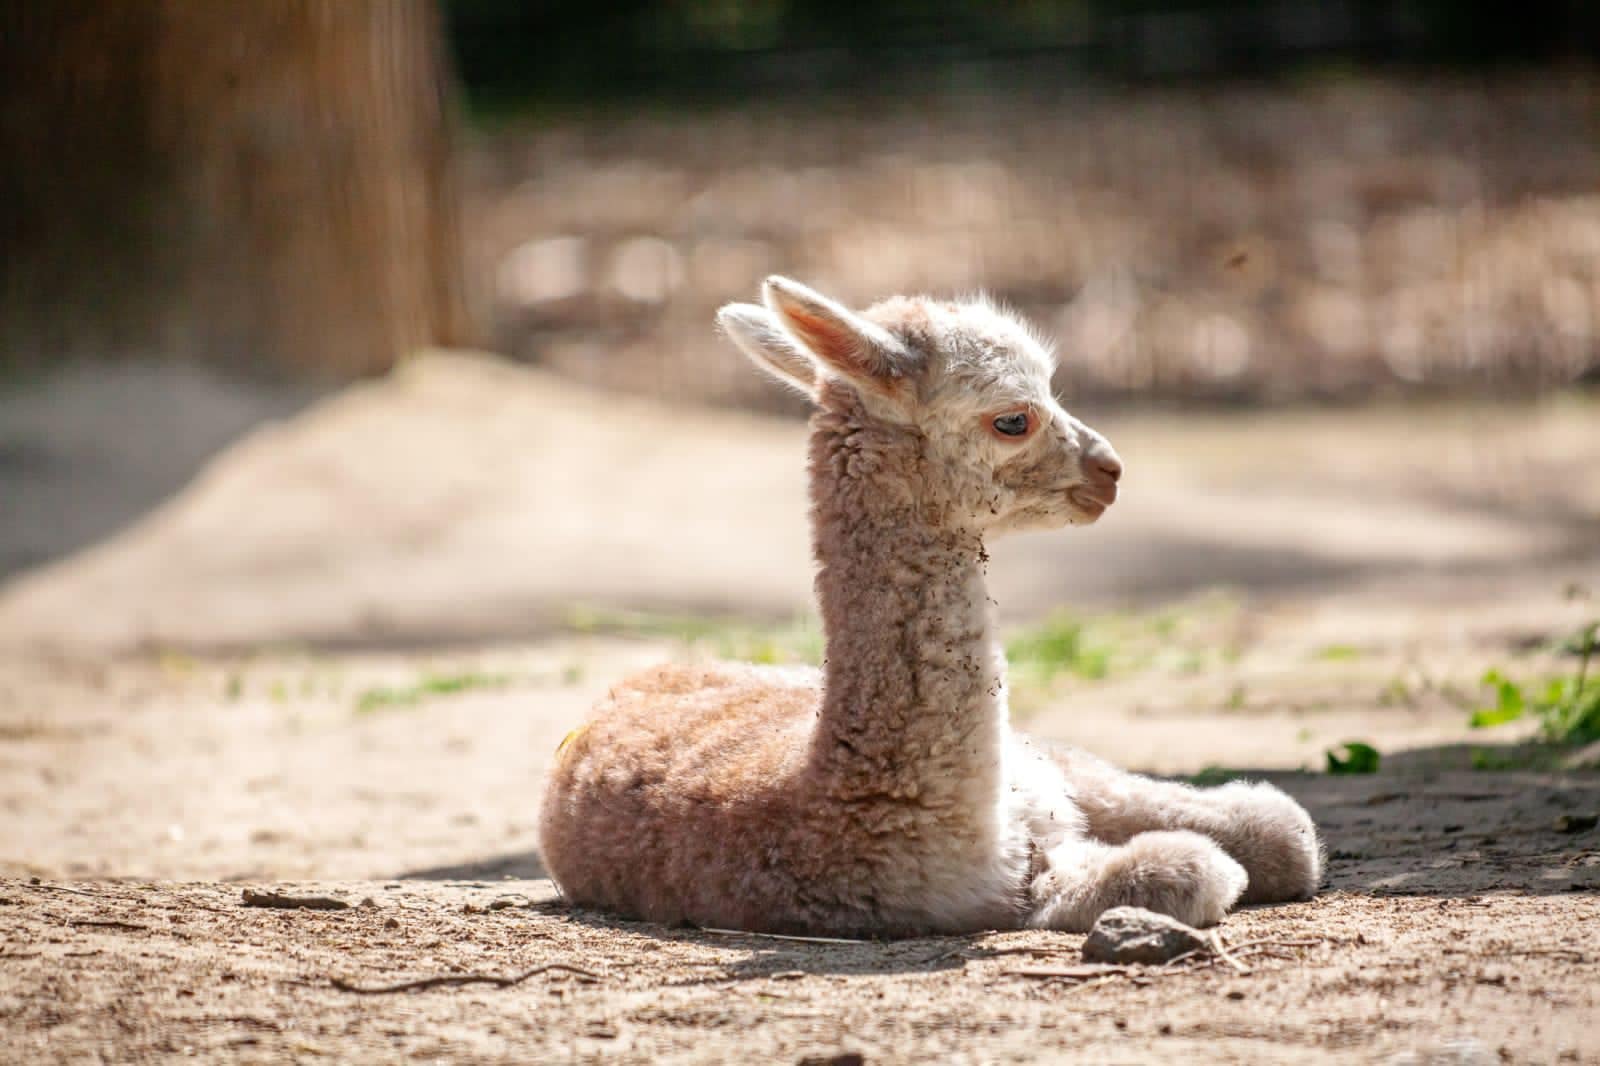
(1091, 501)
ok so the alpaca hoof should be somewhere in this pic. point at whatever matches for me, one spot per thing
(1177, 873)
(1208, 883)
(1275, 841)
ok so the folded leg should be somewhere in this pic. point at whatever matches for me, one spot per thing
(1178, 873)
(1261, 827)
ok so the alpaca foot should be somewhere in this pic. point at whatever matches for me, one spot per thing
(1178, 873)
(1273, 838)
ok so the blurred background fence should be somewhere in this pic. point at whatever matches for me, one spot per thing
(1202, 201)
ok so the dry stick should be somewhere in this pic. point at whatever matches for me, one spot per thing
(1279, 943)
(252, 898)
(1186, 956)
(105, 924)
(943, 955)
(1077, 973)
(460, 979)
(785, 936)
(1266, 952)
(1222, 953)
(1081, 985)
(57, 888)
(990, 953)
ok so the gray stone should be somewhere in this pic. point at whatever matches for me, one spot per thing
(1133, 934)
(1577, 823)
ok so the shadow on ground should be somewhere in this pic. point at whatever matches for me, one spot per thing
(1422, 828)
(1418, 828)
(87, 450)
(518, 866)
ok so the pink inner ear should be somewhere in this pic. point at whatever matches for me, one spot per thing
(831, 340)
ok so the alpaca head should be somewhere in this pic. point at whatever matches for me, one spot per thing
(968, 379)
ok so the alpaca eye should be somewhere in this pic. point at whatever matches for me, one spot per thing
(1012, 425)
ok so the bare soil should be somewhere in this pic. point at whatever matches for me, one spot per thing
(335, 665)
(1457, 926)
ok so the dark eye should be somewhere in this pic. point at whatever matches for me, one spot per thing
(1012, 425)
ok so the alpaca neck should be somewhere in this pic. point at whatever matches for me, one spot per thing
(913, 703)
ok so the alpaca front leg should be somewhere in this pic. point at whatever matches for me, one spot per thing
(1260, 826)
(1179, 873)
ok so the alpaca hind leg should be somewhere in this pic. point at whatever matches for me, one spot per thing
(1259, 825)
(1182, 874)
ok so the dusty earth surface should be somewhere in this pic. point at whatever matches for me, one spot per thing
(338, 661)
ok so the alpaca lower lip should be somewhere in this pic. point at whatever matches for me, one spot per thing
(1092, 502)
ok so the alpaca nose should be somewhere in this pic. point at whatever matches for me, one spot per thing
(1103, 462)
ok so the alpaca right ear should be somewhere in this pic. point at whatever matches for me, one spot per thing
(843, 341)
(757, 333)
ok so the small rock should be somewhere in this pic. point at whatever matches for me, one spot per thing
(391, 923)
(507, 902)
(1576, 823)
(1133, 934)
(843, 1058)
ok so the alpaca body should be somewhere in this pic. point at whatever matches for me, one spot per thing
(729, 830)
(733, 830)
(887, 794)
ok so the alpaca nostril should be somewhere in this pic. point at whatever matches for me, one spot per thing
(1108, 466)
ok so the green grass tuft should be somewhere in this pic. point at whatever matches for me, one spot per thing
(430, 687)
(1354, 757)
(798, 640)
(1212, 775)
(1057, 646)
(1567, 708)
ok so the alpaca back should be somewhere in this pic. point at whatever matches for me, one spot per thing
(661, 806)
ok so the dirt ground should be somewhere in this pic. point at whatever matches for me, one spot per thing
(336, 664)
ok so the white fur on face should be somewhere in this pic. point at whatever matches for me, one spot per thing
(981, 361)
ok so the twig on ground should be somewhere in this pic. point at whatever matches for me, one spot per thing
(1567, 953)
(106, 924)
(1221, 950)
(990, 953)
(1187, 955)
(784, 936)
(460, 979)
(956, 953)
(1278, 942)
(1093, 983)
(252, 898)
(42, 887)
(1073, 973)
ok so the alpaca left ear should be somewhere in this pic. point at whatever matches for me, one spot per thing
(757, 333)
(840, 339)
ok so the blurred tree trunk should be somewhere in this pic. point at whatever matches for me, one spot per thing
(261, 185)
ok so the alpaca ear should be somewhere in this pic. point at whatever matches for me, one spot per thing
(842, 340)
(757, 333)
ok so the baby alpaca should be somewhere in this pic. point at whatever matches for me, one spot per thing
(888, 796)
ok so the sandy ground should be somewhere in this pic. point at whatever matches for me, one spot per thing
(1459, 921)
(234, 692)
(464, 498)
